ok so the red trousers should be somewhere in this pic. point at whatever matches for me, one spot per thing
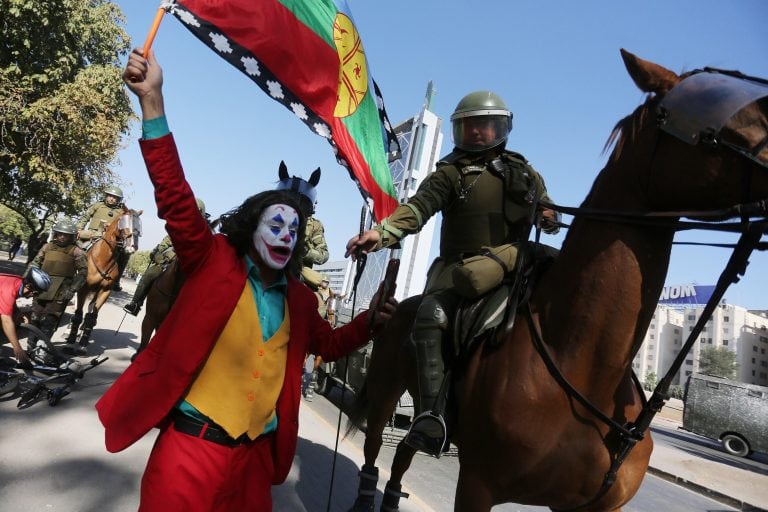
(185, 473)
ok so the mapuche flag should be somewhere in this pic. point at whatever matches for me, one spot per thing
(307, 55)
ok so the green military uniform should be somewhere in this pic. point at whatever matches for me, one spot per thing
(316, 252)
(488, 197)
(481, 207)
(160, 257)
(95, 219)
(67, 266)
(314, 240)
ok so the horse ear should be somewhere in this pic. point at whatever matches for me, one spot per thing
(282, 171)
(139, 212)
(314, 179)
(649, 77)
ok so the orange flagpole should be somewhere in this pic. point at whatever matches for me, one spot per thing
(153, 30)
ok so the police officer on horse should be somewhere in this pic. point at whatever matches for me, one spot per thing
(487, 196)
(96, 217)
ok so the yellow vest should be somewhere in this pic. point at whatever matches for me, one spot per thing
(240, 382)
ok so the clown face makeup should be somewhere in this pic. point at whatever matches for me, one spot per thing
(275, 236)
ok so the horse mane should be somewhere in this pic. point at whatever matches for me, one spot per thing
(626, 130)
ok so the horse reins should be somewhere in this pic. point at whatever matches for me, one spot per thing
(630, 433)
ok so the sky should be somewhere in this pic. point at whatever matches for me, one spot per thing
(556, 64)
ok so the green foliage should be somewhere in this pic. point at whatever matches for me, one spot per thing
(138, 263)
(718, 362)
(676, 392)
(650, 381)
(63, 109)
(12, 224)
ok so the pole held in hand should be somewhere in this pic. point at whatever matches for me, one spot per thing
(153, 29)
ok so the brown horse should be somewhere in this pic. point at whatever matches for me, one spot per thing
(521, 436)
(160, 298)
(120, 235)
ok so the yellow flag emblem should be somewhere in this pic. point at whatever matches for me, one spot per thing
(353, 74)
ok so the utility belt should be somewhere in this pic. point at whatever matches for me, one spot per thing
(209, 431)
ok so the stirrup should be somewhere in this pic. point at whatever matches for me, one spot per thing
(428, 433)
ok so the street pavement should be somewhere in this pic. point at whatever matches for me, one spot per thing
(53, 458)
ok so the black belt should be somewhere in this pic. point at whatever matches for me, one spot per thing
(208, 431)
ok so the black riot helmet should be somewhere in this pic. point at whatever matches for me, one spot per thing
(481, 121)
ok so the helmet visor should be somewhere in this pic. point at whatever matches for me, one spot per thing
(478, 133)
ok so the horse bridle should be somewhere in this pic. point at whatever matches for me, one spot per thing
(694, 111)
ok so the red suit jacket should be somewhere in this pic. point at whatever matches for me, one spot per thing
(146, 392)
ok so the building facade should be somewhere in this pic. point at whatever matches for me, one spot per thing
(731, 327)
(420, 143)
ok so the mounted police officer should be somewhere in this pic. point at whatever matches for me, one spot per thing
(161, 256)
(488, 197)
(93, 222)
(67, 266)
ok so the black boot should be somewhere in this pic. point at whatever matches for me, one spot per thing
(428, 432)
(132, 308)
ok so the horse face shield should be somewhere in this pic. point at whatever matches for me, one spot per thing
(699, 108)
(129, 226)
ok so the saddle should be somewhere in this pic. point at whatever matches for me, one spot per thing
(491, 316)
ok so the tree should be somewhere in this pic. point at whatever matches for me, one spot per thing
(11, 223)
(650, 381)
(63, 110)
(718, 362)
(138, 262)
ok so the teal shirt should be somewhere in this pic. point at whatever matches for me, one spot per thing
(154, 128)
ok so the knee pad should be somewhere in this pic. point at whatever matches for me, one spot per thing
(430, 315)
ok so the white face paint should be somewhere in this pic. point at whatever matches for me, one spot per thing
(275, 236)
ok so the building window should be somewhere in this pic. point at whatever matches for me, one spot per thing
(677, 331)
(725, 343)
(764, 364)
(763, 375)
(725, 330)
(653, 326)
(689, 361)
(651, 347)
(762, 350)
(726, 319)
(691, 317)
(753, 360)
(709, 341)
(754, 348)
(690, 328)
(651, 336)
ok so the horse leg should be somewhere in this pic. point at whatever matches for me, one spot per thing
(385, 401)
(74, 325)
(472, 495)
(400, 464)
(88, 324)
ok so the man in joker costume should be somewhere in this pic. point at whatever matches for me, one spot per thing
(221, 378)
